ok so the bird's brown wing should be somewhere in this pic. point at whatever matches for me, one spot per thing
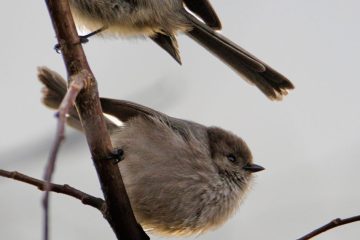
(201, 8)
(125, 110)
(204, 10)
(55, 89)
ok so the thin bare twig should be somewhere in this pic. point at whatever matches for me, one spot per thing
(67, 103)
(333, 224)
(119, 213)
(65, 189)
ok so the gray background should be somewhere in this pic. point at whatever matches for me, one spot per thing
(309, 142)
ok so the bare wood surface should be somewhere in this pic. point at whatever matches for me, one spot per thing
(332, 224)
(65, 189)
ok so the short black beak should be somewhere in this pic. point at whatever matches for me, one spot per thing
(253, 168)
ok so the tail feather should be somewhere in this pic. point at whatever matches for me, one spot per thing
(54, 88)
(54, 91)
(169, 44)
(269, 81)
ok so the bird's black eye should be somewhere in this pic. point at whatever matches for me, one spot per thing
(231, 158)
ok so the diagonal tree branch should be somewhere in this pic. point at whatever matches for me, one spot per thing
(333, 224)
(85, 198)
(119, 213)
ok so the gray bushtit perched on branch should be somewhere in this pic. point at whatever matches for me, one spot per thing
(182, 178)
(162, 19)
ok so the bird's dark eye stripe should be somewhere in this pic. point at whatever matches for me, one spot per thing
(231, 157)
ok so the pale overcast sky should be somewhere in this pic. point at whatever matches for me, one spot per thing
(309, 142)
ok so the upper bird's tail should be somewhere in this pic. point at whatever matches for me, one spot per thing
(269, 81)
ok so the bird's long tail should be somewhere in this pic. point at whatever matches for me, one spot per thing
(269, 81)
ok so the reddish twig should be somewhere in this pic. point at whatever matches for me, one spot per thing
(119, 213)
(67, 103)
(333, 224)
(65, 189)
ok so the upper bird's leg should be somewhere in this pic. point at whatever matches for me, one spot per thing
(83, 38)
(116, 155)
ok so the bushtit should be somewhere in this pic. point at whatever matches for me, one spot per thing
(182, 178)
(162, 19)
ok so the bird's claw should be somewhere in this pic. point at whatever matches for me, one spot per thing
(84, 39)
(116, 155)
(57, 48)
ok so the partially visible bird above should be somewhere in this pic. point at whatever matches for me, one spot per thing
(160, 20)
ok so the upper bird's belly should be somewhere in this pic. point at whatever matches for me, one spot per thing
(142, 18)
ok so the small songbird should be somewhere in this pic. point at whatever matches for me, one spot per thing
(160, 20)
(182, 178)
